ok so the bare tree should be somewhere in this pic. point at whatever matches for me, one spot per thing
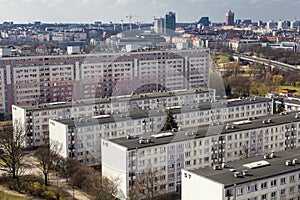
(245, 151)
(147, 185)
(92, 182)
(47, 156)
(107, 188)
(12, 155)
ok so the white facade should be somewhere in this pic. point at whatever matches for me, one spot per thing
(193, 149)
(193, 187)
(36, 118)
(273, 181)
(73, 50)
(290, 103)
(5, 52)
(88, 131)
(61, 135)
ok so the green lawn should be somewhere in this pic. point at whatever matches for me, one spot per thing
(5, 196)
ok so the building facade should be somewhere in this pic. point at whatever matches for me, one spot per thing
(170, 20)
(255, 178)
(36, 118)
(230, 18)
(169, 153)
(41, 79)
(89, 131)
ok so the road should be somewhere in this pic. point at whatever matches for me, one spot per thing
(273, 63)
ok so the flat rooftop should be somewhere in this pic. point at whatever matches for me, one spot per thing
(276, 167)
(292, 101)
(142, 113)
(114, 99)
(209, 130)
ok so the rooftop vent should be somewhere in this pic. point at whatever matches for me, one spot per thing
(223, 165)
(245, 172)
(288, 162)
(142, 141)
(229, 127)
(217, 167)
(295, 161)
(237, 174)
(283, 113)
(189, 134)
(269, 155)
(128, 137)
(148, 140)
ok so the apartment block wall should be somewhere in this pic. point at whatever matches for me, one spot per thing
(193, 153)
(33, 80)
(89, 130)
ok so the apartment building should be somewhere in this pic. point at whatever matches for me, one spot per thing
(42, 79)
(189, 149)
(253, 179)
(88, 131)
(290, 103)
(36, 118)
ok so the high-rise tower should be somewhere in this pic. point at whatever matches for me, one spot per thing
(170, 21)
(230, 18)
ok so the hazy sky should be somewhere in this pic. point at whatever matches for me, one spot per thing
(142, 10)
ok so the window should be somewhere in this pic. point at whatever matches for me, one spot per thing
(273, 183)
(252, 188)
(292, 190)
(273, 195)
(264, 197)
(282, 192)
(282, 181)
(171, 185)
(228, 193)
(188, 163)
(142, 163)
(263, 185)
(240, 191)
(292, 179)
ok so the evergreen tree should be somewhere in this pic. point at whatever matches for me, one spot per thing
(170, 122)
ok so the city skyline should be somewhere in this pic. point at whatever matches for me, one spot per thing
(88, 11)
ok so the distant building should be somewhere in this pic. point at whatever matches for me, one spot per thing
(238, 21)
(247, 21)
(204, 21)
(5, 52)
(257, 178)
(230, 18)
(170, 21)
(271, 25)
(295, 24)
(287, 92)
(282, 25)
(71, 50)
(159, 25)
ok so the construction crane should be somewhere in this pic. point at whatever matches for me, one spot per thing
(129, 17)
(122, 24)
(130, 20)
